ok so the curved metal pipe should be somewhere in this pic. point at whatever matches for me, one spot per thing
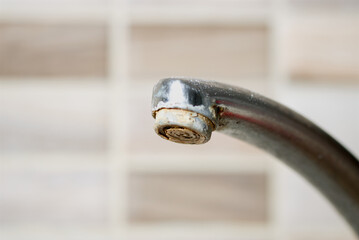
(188, 110)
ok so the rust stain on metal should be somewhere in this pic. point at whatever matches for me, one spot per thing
(183, 135)
(183, 126)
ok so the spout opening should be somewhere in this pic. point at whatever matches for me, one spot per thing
(183, 126)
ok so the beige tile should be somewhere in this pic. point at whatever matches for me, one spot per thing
(324, 49)
(53, 198)
(53, 3)
(197, 197)
(59, 50)
(53, 118)
(209, 52)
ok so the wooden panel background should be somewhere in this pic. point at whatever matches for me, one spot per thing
(211, 52)
(197, 197)
(52, 50)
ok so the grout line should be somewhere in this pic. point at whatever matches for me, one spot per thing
(277, 76)
(53, 161)
(197, 230)
(244, 164)
(278, 73)
(175, 15)
(118, 170)
(73, 16)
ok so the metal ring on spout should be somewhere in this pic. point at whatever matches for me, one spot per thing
(183, 126)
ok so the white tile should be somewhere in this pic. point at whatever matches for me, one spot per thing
(53, 118)
(42, 197)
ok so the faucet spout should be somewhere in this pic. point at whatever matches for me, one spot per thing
(188, 110)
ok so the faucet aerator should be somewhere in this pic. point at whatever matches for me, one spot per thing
(183, 126)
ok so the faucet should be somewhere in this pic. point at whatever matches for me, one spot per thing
(188, 110)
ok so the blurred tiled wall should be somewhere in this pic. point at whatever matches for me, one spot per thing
(79, 158)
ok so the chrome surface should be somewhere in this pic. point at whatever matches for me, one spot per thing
(266, 124)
